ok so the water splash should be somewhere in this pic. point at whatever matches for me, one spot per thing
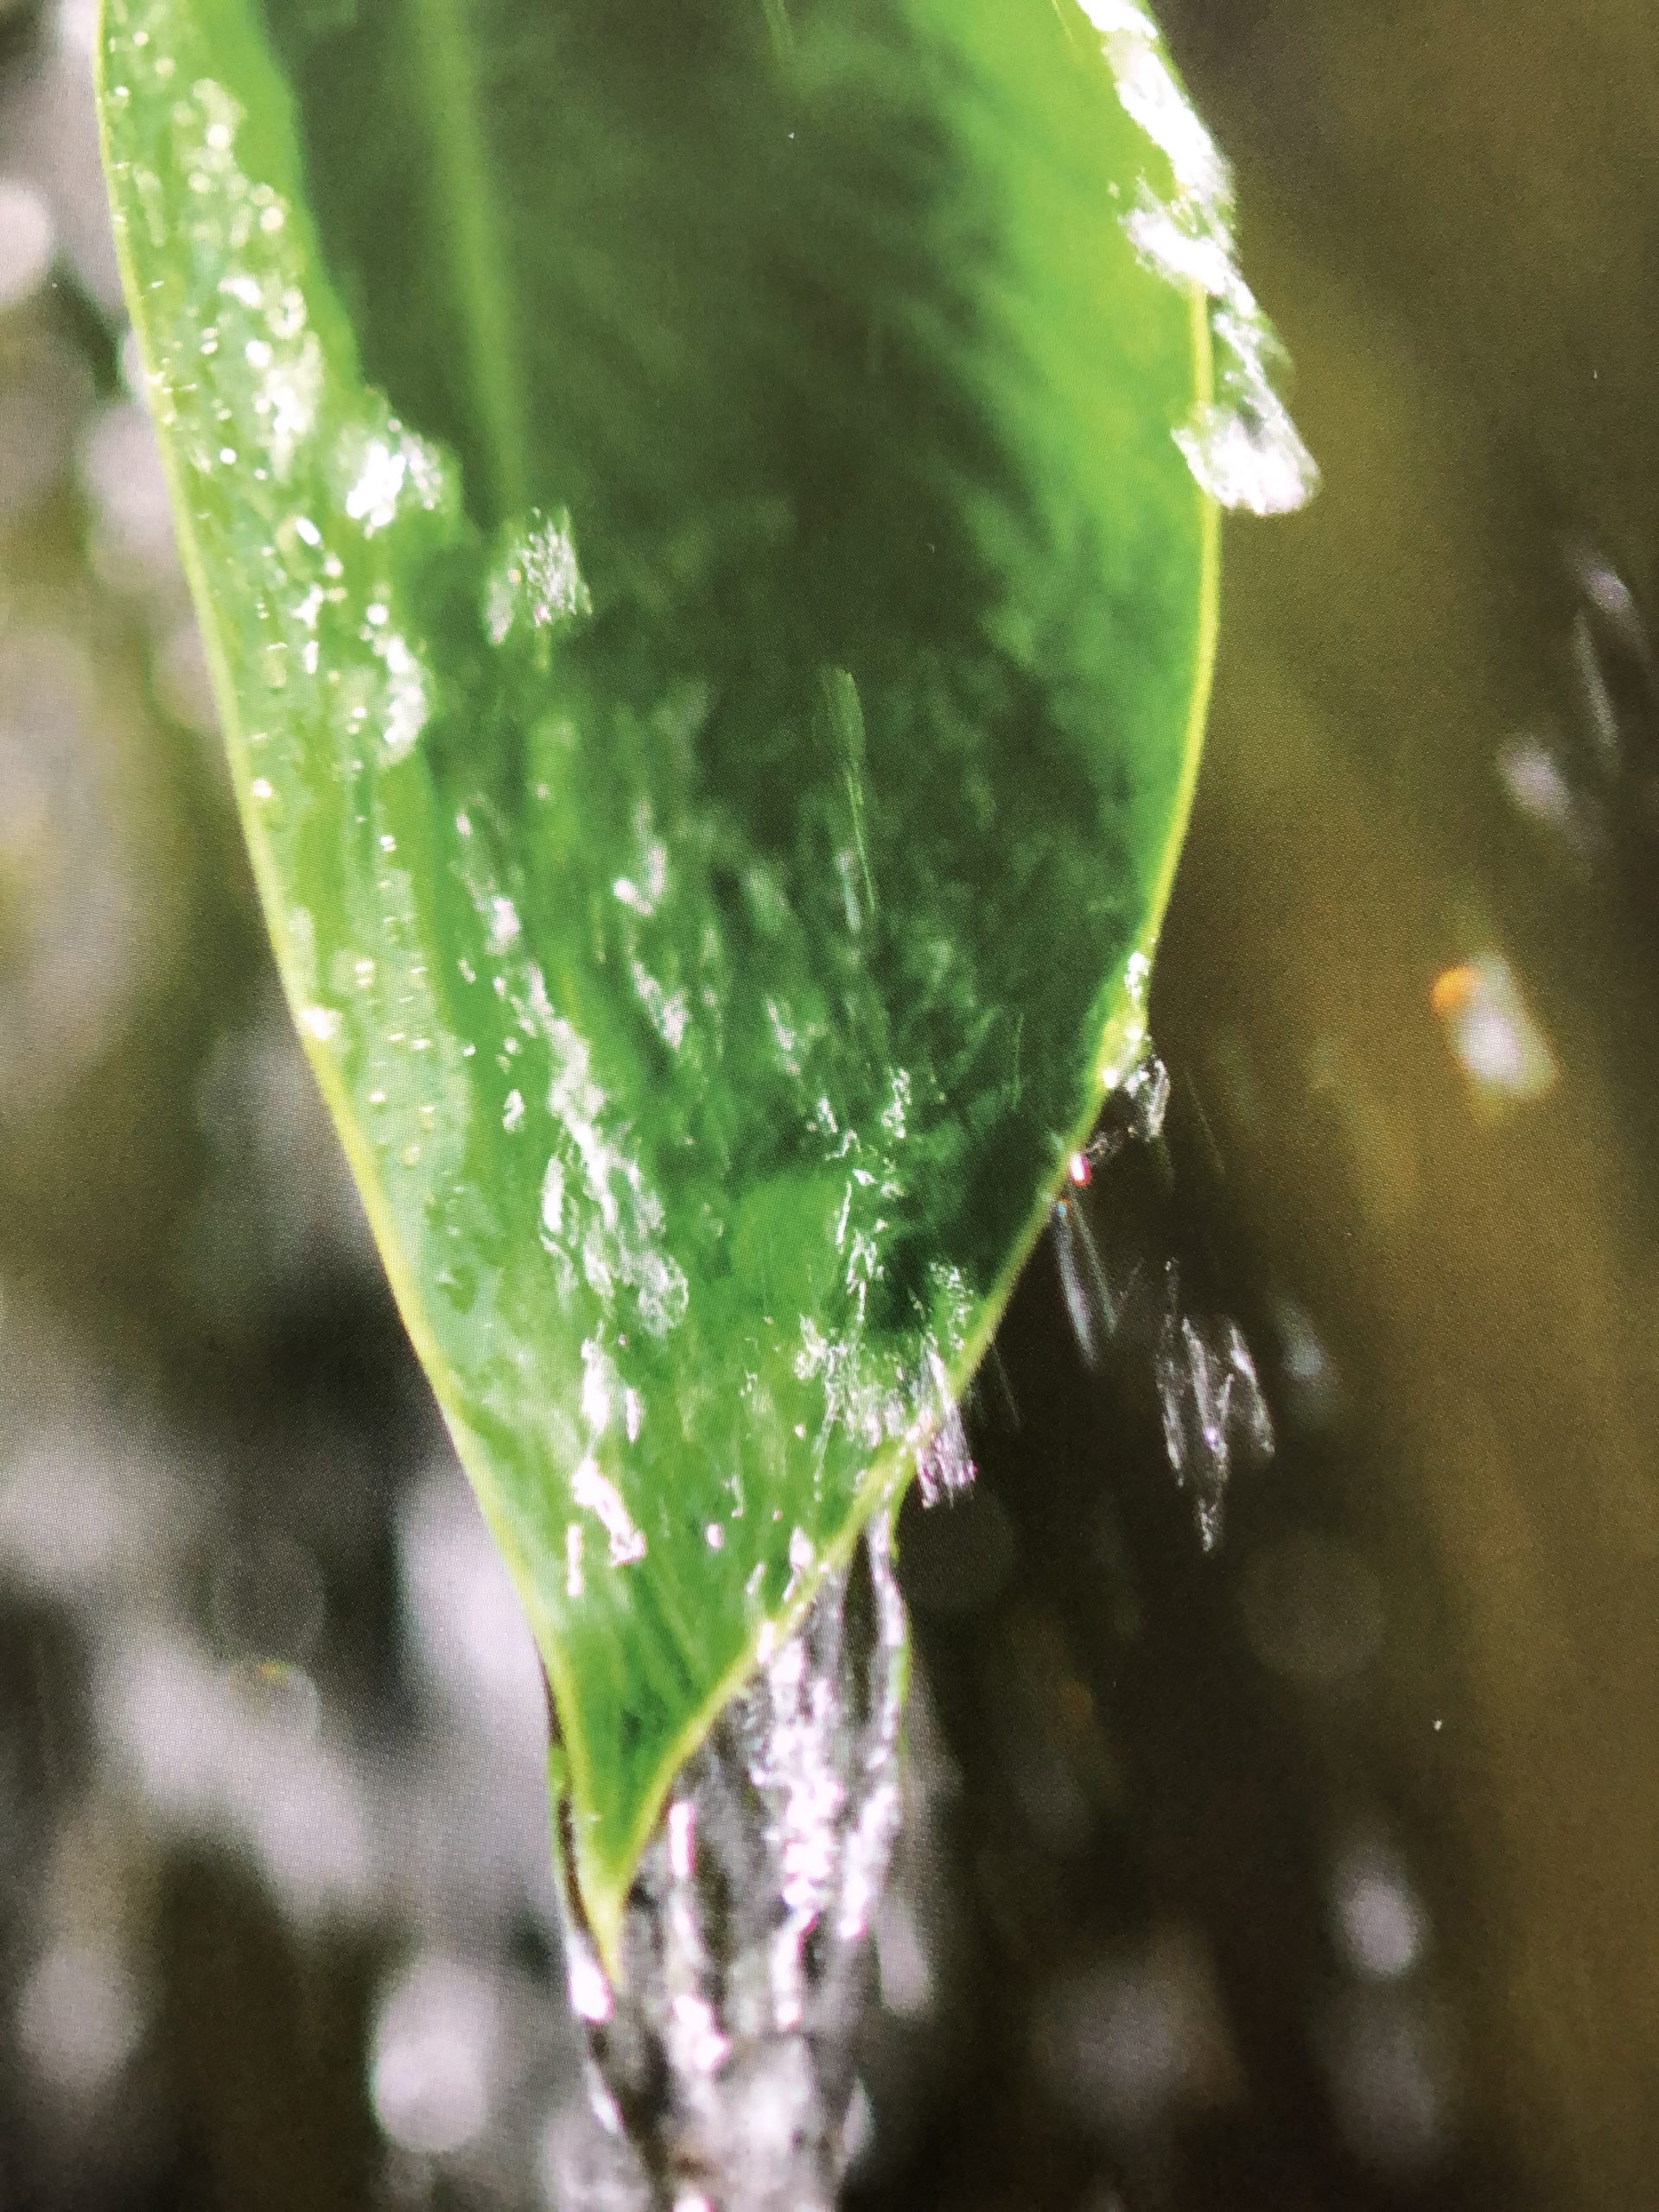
(945, 1464)
(722, 2056)
(1096, 1295)
(536, 587)
(1213, 1411)
(1242, 446)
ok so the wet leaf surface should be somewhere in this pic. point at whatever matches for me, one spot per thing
(712, 620)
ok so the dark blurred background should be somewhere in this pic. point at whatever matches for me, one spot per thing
(1320, 1870)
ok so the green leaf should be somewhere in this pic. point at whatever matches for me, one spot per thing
(712, 624)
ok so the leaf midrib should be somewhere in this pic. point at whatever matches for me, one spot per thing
(472, 233)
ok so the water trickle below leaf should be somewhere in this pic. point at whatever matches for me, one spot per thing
(723, 2049)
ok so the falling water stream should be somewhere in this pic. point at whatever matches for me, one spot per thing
(723, 2057)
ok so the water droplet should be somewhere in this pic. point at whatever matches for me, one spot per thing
(372, 498)
(553, 1199)
(1243, 448)
(1213, 1406)
(1241, 445)
(536, 585)
(944, 1467)
(667, 1011)
(600, 1496)
(1090, 1306)
(407, 704)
